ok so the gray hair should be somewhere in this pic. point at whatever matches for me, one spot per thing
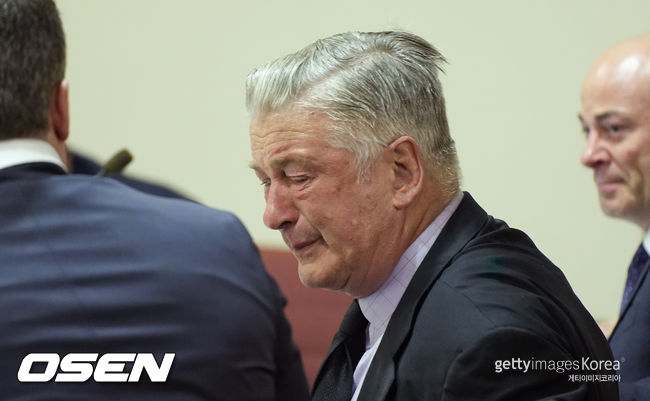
(374, 87)
(32, 62)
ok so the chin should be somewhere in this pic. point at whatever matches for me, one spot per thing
(611, 211)
(319, 275)
(619, 210)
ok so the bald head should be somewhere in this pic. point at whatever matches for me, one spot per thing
(627, 63)
(615, 115)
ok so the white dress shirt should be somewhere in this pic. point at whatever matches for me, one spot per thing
(646, 242)
(27, 150)
(379, 306)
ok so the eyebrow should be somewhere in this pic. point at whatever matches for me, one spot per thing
(603, 116)
(281, 162)
(609, 114)
(254, 166)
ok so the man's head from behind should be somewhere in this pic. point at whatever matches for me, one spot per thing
(32, 67)
(615, 115)
(348, 136)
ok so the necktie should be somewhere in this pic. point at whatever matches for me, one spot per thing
(633, 273)
(334, 381)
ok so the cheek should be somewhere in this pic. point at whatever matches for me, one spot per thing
(638, 166)
(303, 194)
(349, 217)
(635, 152)
(644, 176)
(365, 225)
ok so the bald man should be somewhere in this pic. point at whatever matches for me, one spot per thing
(615, 116)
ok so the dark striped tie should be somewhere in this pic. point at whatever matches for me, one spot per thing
(633, 273)
(334, 381)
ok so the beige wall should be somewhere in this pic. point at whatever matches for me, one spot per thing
(165, 78)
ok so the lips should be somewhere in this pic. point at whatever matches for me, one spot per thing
(301, 245)
(608, 184)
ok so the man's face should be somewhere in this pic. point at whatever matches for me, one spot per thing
(615, 116)
(339, 229)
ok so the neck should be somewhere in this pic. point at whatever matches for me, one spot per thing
(61, 149)
(425, 209)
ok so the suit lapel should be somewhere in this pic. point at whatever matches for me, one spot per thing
(626, 307)
(459, 230)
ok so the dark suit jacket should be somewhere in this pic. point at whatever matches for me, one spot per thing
(630, 342)
(88, 265)
(485, 294)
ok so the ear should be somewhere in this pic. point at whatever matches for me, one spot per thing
(408, 170)
(60, 111)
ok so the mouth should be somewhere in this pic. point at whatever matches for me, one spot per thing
(303, 246)
(608, 186)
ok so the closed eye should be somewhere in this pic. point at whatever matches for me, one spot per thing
(300, 179)
(614, 128)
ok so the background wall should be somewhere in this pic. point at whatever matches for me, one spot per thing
(165, 78)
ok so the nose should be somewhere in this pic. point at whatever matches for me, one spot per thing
(280, 209)
(595, 151)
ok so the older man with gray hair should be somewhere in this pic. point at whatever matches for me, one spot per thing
(350, 140)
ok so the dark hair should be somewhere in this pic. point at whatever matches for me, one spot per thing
(32, 62)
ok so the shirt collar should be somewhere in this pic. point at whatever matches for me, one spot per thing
(379, 306)
(646, 242)
(28, 150)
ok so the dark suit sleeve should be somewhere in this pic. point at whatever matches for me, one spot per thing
(635, 391)
(290, 381)
(494, 368)
(289, 378)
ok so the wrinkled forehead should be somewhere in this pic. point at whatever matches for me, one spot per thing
(290, 122)
(289, 131)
